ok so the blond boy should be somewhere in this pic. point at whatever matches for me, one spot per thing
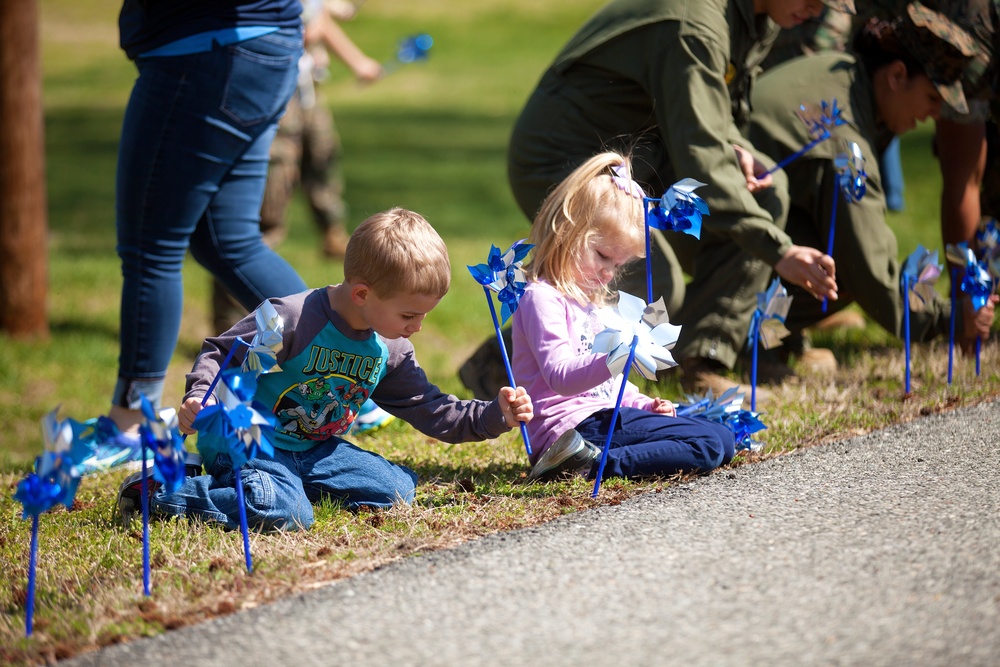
(341, 344)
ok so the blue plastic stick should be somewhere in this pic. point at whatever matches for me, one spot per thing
(906, 328)
(688, 409)
(506, 363)
(614, 417)
(145, 522)
(753, 369)
(794, 156)
(243, 521)
(224, 366)
(239, 485)
(951, 325)
(829, 240)
(29, 614)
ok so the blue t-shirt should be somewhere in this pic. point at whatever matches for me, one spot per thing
(319, 391)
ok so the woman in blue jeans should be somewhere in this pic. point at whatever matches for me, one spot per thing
(214, 78)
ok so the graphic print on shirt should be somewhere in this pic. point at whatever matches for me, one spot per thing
(590, 326)
(332, 387)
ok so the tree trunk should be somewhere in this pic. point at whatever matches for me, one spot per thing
(23, 216)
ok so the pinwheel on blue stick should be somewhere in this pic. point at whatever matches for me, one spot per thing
(678, 210)
(975, 281)
(53, 482)
(767, 327)
(262, 356)
(160, 435)
(852, 183)
(919, 272)
(240, 427)
(502, 274)
(411, 49)
(988, 240)
(638, 336)
(728, 410)
(820, 120)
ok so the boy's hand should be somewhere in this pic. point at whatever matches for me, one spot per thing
(662, 406)
(189, 410)
(515, 405)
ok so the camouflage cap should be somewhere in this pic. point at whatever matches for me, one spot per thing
(846, 6)
(942, 47)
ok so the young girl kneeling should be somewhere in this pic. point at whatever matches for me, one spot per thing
(589, 226)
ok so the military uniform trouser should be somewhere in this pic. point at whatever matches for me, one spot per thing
(720, 299)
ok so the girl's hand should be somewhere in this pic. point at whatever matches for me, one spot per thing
(189, 410)
(515, 405)
(662, 406)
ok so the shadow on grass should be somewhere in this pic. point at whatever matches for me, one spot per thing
(82, 327)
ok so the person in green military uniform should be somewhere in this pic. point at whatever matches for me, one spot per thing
(668, 81)
(900, 72)
(967, 144)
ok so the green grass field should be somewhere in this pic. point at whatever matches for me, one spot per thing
(431, 137)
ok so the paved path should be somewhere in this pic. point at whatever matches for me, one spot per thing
(880, 550)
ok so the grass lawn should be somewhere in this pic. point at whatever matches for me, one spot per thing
(431, 137)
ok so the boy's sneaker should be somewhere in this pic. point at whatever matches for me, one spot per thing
(370, 418)
(570, 453)
(118, 449)
(130, 491)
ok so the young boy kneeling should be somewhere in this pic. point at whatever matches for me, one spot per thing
(341, 344)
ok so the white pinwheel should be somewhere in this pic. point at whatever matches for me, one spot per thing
(262, 357)
(634, 319)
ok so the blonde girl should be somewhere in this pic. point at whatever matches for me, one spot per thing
(588, 227)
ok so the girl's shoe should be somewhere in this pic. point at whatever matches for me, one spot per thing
(569, 454)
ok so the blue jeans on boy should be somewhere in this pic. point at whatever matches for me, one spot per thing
(279, 490)
(192, 164)
(645, 444)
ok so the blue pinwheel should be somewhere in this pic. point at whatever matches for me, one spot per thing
(727, 410)
(502, 274)
(919, 272)
(638, 336)
(820, 122)
(236, 424)
(678, 210)
(988, 240)
(411, 49)
(159, 434)
(262, 357)
(414, 48)
(767, 327)
(851, 182)
(976, 281)
(54, 481)
(743, 424)
(240, 427)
